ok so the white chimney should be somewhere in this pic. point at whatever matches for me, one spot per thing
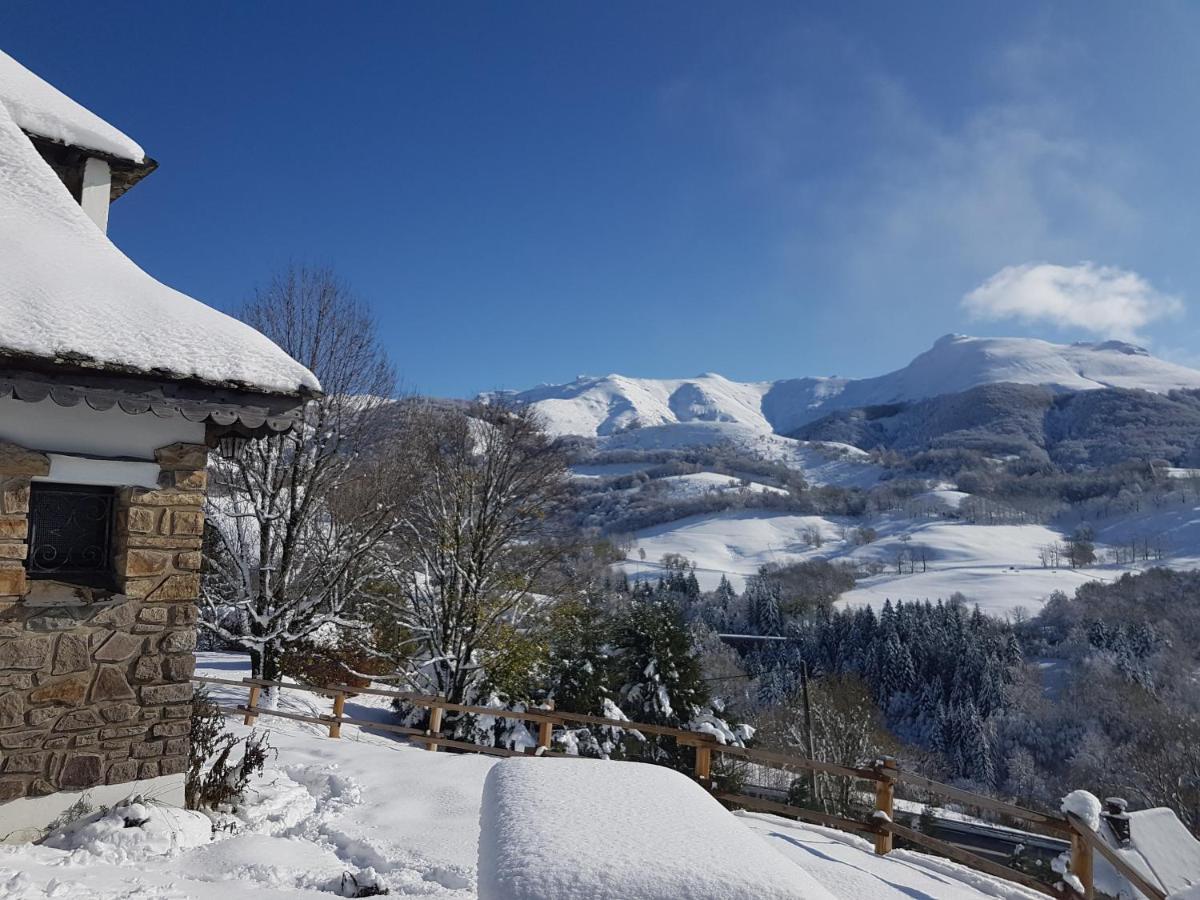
(97, 190)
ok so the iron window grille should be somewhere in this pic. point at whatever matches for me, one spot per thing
(70, 533)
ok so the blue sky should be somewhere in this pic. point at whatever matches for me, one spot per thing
(528, 191)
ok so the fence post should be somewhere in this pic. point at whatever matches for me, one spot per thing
(435, 727)
(251, 704)
(339, 706)
(704, 764)
(1082, 858)
(545, 731)
(885, 796)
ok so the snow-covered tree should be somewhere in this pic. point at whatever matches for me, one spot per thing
(475, 536)
(295, 522)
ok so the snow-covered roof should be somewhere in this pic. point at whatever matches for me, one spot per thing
(1160, 848)
(68, 295)
(40, 108)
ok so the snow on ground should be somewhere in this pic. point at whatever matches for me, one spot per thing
(387, 813)
(846, 865)
(535, 846)
(820, 463)
(995, 566)
(697, 484)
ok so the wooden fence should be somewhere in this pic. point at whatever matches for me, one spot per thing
(883, 777)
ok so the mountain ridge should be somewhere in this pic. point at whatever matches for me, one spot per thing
(600, 406)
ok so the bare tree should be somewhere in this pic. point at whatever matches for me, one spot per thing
(296, 520)
(475, 536)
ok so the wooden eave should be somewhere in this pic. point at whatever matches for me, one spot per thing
(224, 407)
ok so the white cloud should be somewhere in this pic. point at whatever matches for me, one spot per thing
(1104, 300)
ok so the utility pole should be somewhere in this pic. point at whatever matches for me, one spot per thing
(808, 732)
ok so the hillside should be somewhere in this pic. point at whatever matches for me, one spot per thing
(608, 405)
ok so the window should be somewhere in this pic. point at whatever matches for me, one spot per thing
(70, 533)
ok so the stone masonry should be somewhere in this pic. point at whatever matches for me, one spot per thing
(94, 685)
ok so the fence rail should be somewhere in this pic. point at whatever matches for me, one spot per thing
(885, 776)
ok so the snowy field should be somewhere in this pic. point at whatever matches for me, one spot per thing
(995, 566)
(395, 815)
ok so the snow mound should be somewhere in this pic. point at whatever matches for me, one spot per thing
(1085, 805)
(572, 829)
(132, 831)
(42, 109)
(68, 294)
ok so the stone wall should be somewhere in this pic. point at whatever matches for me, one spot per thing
(94, 685)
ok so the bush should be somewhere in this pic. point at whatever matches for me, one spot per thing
(213, 782)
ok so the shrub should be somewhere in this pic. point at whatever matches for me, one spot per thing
(213, 782)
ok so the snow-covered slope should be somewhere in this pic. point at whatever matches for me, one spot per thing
(388, 814)
(997, 567)
(612, 404)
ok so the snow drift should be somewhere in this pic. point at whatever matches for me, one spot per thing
(561, 829)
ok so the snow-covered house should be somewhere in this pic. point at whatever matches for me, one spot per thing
(112, 389)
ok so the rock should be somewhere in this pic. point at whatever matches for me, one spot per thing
(146, 750)
(110, 684)
(120, 614)
(120, 712)
(179, 668)
(177, 587)
(14, 527)
(77, 721)
(120, 772)
(187, 521)
(142, 519)
(60, 618)
(24, 653)
(16, 460)
(82, 770)
(182, 456)
(148, 668)
(22, 740)
(153, 615)
(14, 496)
(139, 497)
(41, 788)
(12, 710)
(171, 729)
(189, 560)
(11, 789)
(118, 647)
(166, 693)
(178, 642)
(12, 580)
(67, 691)
(71, 654)
(36, 718)
(29, 762)
(137, 563)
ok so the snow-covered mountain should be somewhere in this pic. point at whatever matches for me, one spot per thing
(608, 405)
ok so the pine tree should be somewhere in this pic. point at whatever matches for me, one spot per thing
(661, 682)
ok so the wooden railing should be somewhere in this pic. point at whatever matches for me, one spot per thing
(884, 776)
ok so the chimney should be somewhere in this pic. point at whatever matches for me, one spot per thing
(96, 192)
(1118, 820)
